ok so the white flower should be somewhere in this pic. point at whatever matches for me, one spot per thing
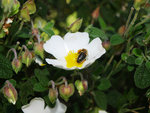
(102, 111)
(37, 105)
(67, 50)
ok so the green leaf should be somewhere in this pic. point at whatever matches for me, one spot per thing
(148, 93)
(116, 99)
(131, 60)
(26, 90)
(116, 39)
(130, 68)
(49, 25)
(140, 40)
(100, 99)
(102, 23)
(124, 56)
(6, 71)
(139, 60)
(104, 84)
(42, 76)
(24, 33)
(13, 82)
(147, 64)
(137, 52)
(95, 32)
(39, 88)
(131, 96)
(142, 77)
(48, 29)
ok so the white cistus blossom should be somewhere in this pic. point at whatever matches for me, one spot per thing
(74, 51)
(37, 105)
(102, 111)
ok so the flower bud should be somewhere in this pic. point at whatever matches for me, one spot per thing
(39, 22)
(10, 6)
(16, 65)
(75, 26)
(138, 3)
(95, 13)
(66, 91)
(15, 8)
(7, 5)
(81, 86)
(10, 92)
(30, 5)
(27, 58)
(24, 14)
(38, 49)
(53, 94)
(122, 30)
(106, 45)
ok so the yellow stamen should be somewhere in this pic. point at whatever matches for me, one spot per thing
(71, 60)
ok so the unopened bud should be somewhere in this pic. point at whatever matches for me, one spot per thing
(15, 8)
(30, 5)
(10, 92)
(138, 3)
(53, 94)
(106, 45)
(81, 86)
(66, 91)
(7, 5)
(75, 26)
(95, 13)
(10, 6)
(122, 30)
(24, 14)
(39, 22)
(16, 65)
(27, 58)
(38, 49)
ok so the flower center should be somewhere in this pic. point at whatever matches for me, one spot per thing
(71, 60)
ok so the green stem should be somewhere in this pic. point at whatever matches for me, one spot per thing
(117, 65)
(132, 23)
(129, 17)
(145, 58)
(20, 28)
(142, 22)
(135, 109)
(109, 62)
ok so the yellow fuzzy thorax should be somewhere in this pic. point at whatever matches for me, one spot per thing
(71, 60)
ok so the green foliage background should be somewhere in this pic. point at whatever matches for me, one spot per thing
(118, 82)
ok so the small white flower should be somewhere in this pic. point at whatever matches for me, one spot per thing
(37, 105)
(102, 111)
(67, 50)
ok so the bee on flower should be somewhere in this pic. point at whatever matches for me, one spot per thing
(74, 51)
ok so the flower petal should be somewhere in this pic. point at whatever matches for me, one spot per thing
(95, 49)
(76, 41)
(56, 47)
(36, 106)
(59, 108)
(58, 63)
(102, 111)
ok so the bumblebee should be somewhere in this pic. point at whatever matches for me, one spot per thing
(82, 54)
